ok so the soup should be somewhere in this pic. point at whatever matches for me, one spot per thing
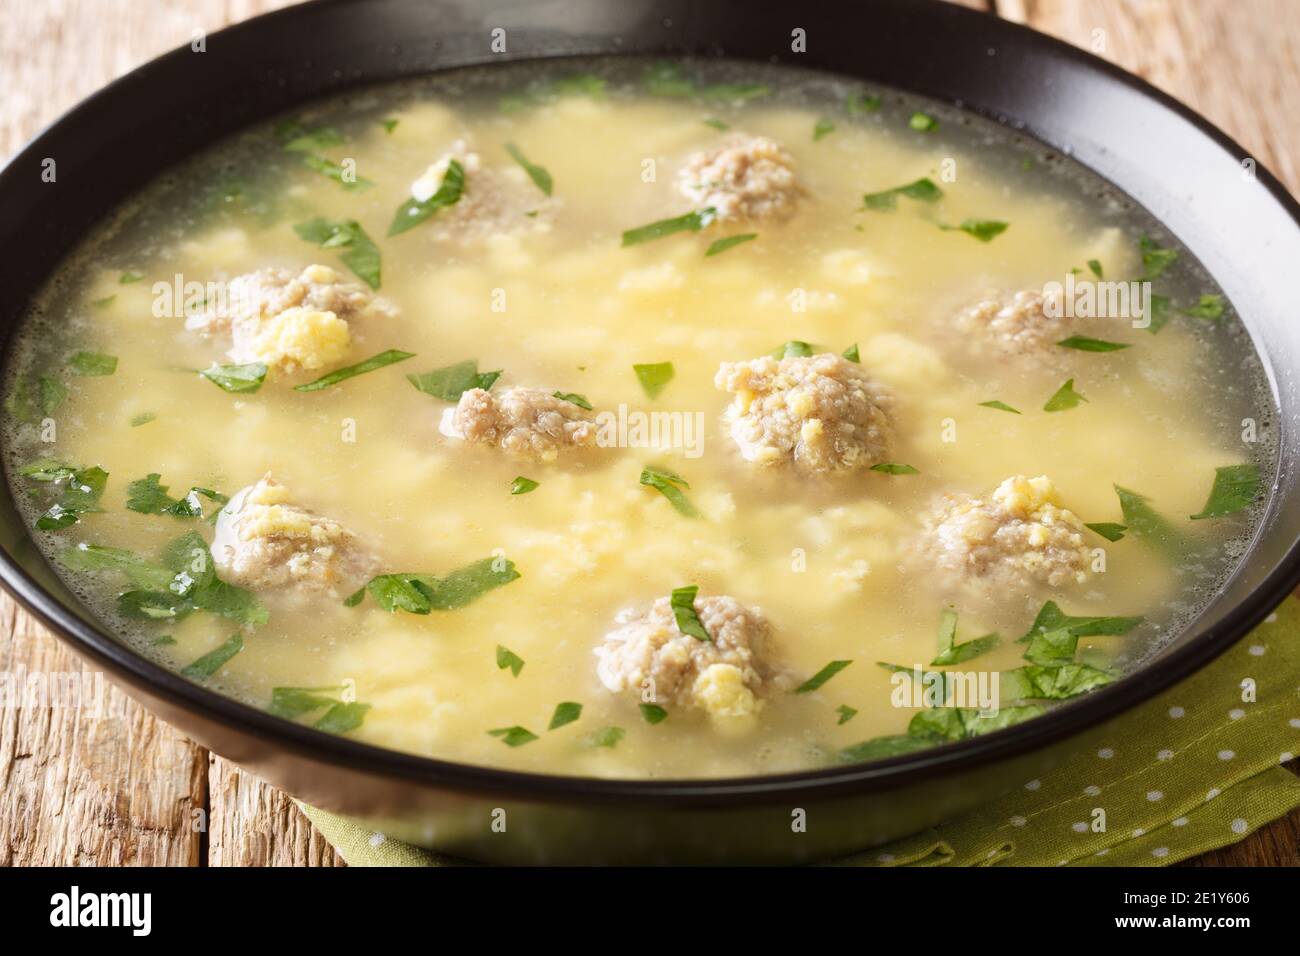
(638, 419)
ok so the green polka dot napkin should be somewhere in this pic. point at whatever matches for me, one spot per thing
(1196, 768)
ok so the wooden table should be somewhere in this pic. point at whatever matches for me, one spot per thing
(124, 788)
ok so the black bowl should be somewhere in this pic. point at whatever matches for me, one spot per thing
(1242, 227)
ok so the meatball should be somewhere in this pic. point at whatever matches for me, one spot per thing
(1013, 324)
(493, 202)
(264, 542)
(1016, 538)
(647, 655)
(289, 322)
(749, 177)
(527, 422)
(821, 412)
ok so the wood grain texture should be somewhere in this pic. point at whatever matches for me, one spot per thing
(97, 781)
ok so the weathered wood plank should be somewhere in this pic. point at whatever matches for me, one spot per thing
(254, 824)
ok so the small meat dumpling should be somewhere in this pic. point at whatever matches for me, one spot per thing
(821, 413)
(1018, 538)
(648, 656)
(289, 322)
(492, 202)
(264, 542)
(527, 422)
(748, 177)
(1013, 324)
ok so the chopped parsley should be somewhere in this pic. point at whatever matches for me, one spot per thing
(78, 491)
(985, 230)
(1064, 398)
(690, 222)
(144, 418)
(359, 252)
(605, 737)
(414, 211)
(1036, 682)
(894, 468)
(538, 174)
(1108, 530)
(149, 497)
(922, 190)
(823, 128)
(669, 485)
(390, 357)
(573, 398)
(682, 602)
(653, 713)
(389, 125)
(236, 379)
(126, 278)
(728, 242)
(339, 717)
(654, 377)
(93, 558)
(923, 122)
(862, 103)
(851, 353)
(1235, 487)
(1095, 268)
(1085, 344)
(1157, 312)
(846, 713)
(451, 382)
(341, 174)
(566, 712)
(1208, 307)
(515, 736)
(821, 677)
(1145, 522)
(194, 586)
(715, 123)
(211, 662)
(507, 658)
(1155, 260)
(950, 652)
(342, 717)
(1000, 406)
(522, 485)
(299, 139)
(1054, 635)
(792, 349)
(423, 593)
(93, 363)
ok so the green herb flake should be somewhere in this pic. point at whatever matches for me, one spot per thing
(515, 736)
(92, 363)
(1108, 530)
(880, 748)
(522, 485)
(1155, 260)
(293, 702)
(451, 382)
(1208, 307)
(823, 128)
(985, 230)
(414, 211)
(851, 353)
(538, 174)
(728, 242)
(653, 713)
(341, 174)
(1085, 344)
(821, 677)
(423, 593)
(1057, 682)
(654, 377)
(507, 658)
(1235, 488)
(144, 418)
(691, 222)
(669, 485)
(846, 713)
(1145, 522)
(605, 737)
(80, 490)
(360, 254)
(862, 103)
(923, 122)
(342, 718)
(566, 712)
(922, 190)
(1095, 268)
(682, 602)
(237, 379)
(389, 125)
(999, 406)
(792, 349)
(573, 398)
(53, 392)
(383, 359)
(715, 123)
(894, 468)
(126, 278)
(301, 140)
(214, 660)
(1064, 398)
